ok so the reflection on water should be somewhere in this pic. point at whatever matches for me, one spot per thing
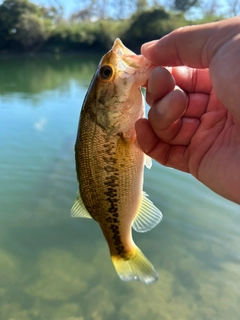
(37, 74)
(55, 267)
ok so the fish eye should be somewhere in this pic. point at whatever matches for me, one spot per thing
(106, 72)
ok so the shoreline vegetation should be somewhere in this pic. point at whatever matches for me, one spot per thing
(27, 28)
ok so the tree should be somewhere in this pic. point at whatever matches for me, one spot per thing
(234, 6)
(105, 9)
(210, 7)
(184, 5)
(149, 25)
(82, 15)
(92, 8)
(141, 5)
(24, 25)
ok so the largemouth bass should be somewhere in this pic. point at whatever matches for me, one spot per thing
(109, 162)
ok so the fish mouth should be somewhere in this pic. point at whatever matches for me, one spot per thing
(120, 49)
(128, 61)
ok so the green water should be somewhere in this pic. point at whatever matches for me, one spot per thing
(53, 267)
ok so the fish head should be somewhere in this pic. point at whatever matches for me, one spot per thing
(115, 100)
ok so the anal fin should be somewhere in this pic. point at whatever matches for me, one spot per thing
(78, 209)
(148, 215)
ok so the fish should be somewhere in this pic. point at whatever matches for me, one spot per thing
(110, 163)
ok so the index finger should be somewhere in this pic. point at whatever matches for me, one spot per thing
(191, 80)
(193, 46)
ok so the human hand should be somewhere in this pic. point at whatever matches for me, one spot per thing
(194, 120)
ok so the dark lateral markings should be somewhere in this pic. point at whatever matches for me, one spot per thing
(112, 182)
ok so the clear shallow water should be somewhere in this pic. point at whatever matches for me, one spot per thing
(55, 267)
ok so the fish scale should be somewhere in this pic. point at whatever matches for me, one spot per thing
(101, 176)
(109, 162)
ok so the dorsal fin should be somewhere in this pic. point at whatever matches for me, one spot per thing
(148, 215)
(78, 209)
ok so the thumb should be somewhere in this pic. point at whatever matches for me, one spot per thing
(192, 46)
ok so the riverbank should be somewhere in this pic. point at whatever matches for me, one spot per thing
(29, 29)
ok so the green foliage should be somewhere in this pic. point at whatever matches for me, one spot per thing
(208, 18)
(150, 25)
(84, 36)
(184, 5)
(141, 5)
(27, 27)
(23, 25)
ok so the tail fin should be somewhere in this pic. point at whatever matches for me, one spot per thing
(136, 267)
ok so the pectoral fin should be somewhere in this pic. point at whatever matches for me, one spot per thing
(147, 161)
(148, 215)
(78, 209)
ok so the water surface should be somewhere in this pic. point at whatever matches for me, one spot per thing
(54, 267)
